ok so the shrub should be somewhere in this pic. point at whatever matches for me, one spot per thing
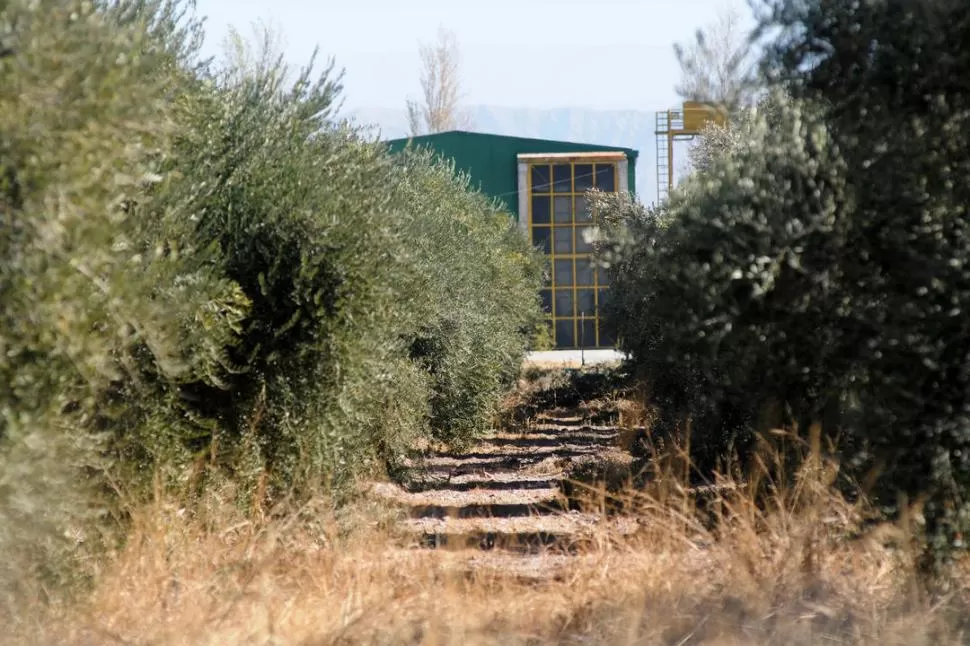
(817, 269)
(205, 273)
(883, 70)
(479, 284)
(727, 300)
(373, 281)
(99, 323)
(298, 212)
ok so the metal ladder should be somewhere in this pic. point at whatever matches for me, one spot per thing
(663, 154)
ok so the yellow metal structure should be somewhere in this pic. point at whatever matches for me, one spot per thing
(558, 218)
(697, 115)
(681, 124)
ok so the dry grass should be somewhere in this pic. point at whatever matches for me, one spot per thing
(787, 576)
(804, 570)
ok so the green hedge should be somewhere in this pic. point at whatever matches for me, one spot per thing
(298, 212)
(884, 72)
(817, 269)
(479, 286)
(205, 273)
(100, 321)
(731, 300)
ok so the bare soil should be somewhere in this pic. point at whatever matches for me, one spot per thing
(506, 496)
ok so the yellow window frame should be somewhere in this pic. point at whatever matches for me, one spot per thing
(572, 160)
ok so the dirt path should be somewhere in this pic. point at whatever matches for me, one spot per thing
(503, 503)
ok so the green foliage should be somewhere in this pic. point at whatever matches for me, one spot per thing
(719, 140)
(731, 303)
(541, 338)
(373, 281)
(478, 283)
(815, 268)
(299, 213)
(204, 273)
(884, 70)
(99, 322)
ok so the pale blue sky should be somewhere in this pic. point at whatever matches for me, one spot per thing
(604, 54)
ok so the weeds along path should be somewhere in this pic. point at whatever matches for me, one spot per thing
(525, 494)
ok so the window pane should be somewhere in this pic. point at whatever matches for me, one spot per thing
(581, 245)
(545, 298)
(563, 237)
(540, 179)
(602, 300)
(564, 272)
(562, 178)
(607, 333)
(587, 333)
(565, 338)
(582, 214)
(606, 177)
(564, 302)
(584, 272)
(564, 209)
(602, 279)
(585, 302)
(540, 238)
(540, 210)
(584, 177)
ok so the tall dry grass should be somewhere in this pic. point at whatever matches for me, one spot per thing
(802, 570)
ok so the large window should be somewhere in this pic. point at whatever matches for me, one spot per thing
(559, 220)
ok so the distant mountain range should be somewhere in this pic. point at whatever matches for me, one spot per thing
(626, 128)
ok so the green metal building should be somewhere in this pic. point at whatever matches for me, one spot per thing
(543, 184)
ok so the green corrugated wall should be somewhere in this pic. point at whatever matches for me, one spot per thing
(491, 160)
